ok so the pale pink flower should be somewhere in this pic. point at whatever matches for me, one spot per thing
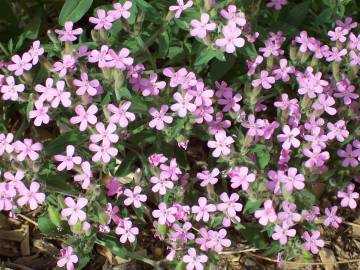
(103, 152)
(119, 60)
(230, 204)
(121, 11)
(233, 16)
(102, 20)
(201, 94)
(230, 102)
(313, 242)
(218, 124)
(20, 64)
(67, 258)
(40, 114)
(134, 197)
(101, 57)
(127, 232)
(84, 117)
(231, 39)
(182, 234)
(338, 34)
(292, 179)
(74, 210)
(264, 80)
(348, 198)
(277, 4)
(68, 34)
(337, 130)
(194, 261)
(221, 144)
(203, 210)
(289, 215)
(85, 176)
(201, 27)
(316, 157)
(208, 177)
(183, 104)
(105, 135)
(159, 117)
(282, 233)
(36, 51)
(240, 177)
(332, 219)
(6, 143)
(349, 155)
(69, 160)
(7, 194)
(165, 214)
(120, 114)
(288, 138)
(60, 96)
(152, 86)
(48, 92)
(157, 159)
(217, 240)
(160, 185)
(283, 71)
(31, 196)
(267, 214)
(86, 86)
(181, 7)
(304, 40)
(10, 90)
(68, 63)
(170, 171)
(27, 149)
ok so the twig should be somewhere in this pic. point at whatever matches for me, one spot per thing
(28, 219)
(238, 251)
(351, 224)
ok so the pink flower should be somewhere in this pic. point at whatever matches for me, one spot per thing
(31, 196)
(121, 60)
(339, 34)
(21, 64)
(40, 114)
(61, 96)
(86, 86)
(157, 159)
(67, 258)
(208, 177)
(313, 242)
(240, 177)
(355, 58)
(304, 40)
(221, 144)
(7, 194)
(103, 152)
(106, 135)
(165, 214)
(233, 16)
(283, 71)
(349, 197)
(102, 20)
(121, 11)
(84, 117)
(68, 63)
(346, 91)
(170, 172)
(69, 34)
(203, 209)
(230, 102)
(267, 214)
(230, 205)
(36, 51)
(47, 92)
(5, 143)
(101, 57)
(231, 38)
(218, 124)
(114, 187)
(194, 261)
(349, 155)
(354, 42)
(181, 7)
(151, 86)
(183, 104)
(264, 80)
(85, 176)
(201, 94)
(120, 114)
(201, 27)
(134, 197)
(74, 210)
(10, 90)
(69, 160)
(182, 234)
(282, 233)
(277, 4)
(288, 138)
(335, 54)
(159, 117)
(348, 23)
(27, 149)
(289, 215)
(160, 185)
(331, 218)
(217, 240)
(316, 157)
(292, 180)
(337, 130)
(127, 232)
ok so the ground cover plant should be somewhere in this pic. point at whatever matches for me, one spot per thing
(174, 134)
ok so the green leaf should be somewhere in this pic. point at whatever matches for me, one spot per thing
(324, 17)
(220, 68)
(59, 144)
(74, 10)
(113, 245)
(164, 45)
(298, 13)
(126, 165)
(207, 55)
(262, 154)
(54, 215)
(253, 234)
(251, 206)
(47, 227)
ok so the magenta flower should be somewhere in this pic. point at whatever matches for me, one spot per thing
(127, 232)
(84, 117)
(74, 210)
(183, 104)
(232, 39)
(201, 27)
(160, 185)
(85, 176)
(68, 34)
(10, 90)
(233, 16)
(31, 196)
(264, 80)
(194, 261)
(20, 64)
(349, 197)
(134, 197)
(337, 130)
(288, 138)
(283, 71)
(120, 114)
(121, 60)
(69, 160)
(346, 91)
(282, 233)
(114, 187)
(67, 258)
(349, 156)
(165, 214)
(221, 144)
(103, 152)
(230, 205)
(102, 21)
(6, 143)
(181, 7)
(62, 67)
(331, 218)
(170, 171)
(292, 180)
(207, 177)
(313, 242)
(36, 51)
(267, 214)
(40, 114)
(86, 86)
(105, 135)
(240, 177)
(121, 11)
(203, 210)
(277, 4)
(217, 240)
(27, 149)
(316, 157)
(218, 124)
(159, 117)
